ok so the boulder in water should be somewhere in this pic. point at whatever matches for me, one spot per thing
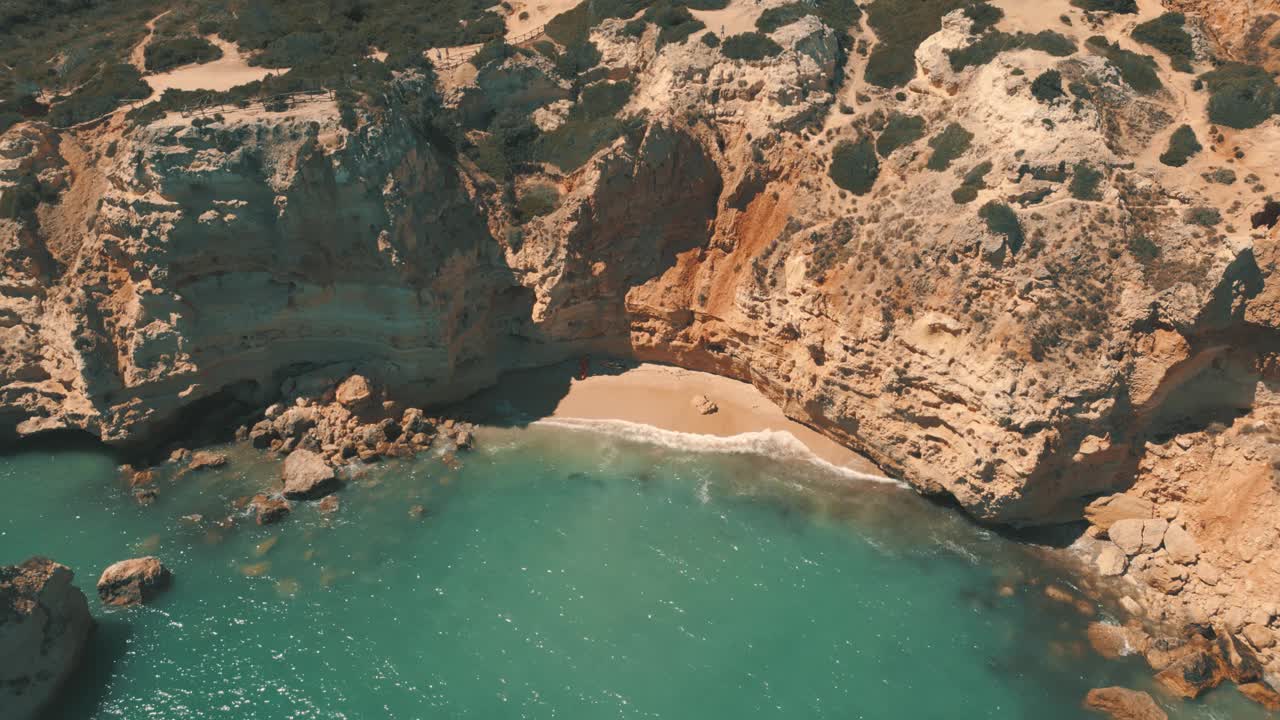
(133, 582)
(204, 459)
(44, 623)
(268, 510)
(1124, 704)
(1262, 694)
(307, 476)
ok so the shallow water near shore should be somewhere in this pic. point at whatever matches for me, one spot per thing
(562, 573)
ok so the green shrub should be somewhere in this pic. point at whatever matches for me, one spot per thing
(8, 120)
(1241, 96)
(494, 51)
(675, 22)
(104, 93)
(948, 145)
(1168, 34)
(710, 39)
(973, 181)
(1080, 90)
(577, 59)
(168, 53)
(1182, 146)
(1115, 6)
(1139, 72)
(1002, 220)
(536, 201)
(603, 99)
(1141, 247)
(749, 46)
(984, 16)
(1048, 86)
(839, 15)
(901, 130)
(1204, 216)
(782, 15)
(900, 27)
(988, 46)
(1084, 182)
(573, 26)
(854, 166)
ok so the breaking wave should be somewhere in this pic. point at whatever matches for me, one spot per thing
(777, 444)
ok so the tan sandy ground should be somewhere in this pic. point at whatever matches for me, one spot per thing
(230, 70)
(739, 17)
(660, 396)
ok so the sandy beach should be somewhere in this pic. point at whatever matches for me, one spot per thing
(659, 396)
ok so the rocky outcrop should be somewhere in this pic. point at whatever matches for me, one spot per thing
(44, 624)
(133, 582)
(307, 476)
(267, 510)
(1124, 704)
(1043, 321)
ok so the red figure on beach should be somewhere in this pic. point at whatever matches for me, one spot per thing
(584, 367)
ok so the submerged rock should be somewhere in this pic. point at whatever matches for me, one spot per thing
(133, 582)
(204, 459)
(307, 476)
(44, 623)
(268, 510)
(1124, 704)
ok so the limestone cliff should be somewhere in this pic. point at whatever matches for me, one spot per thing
(1026, 303)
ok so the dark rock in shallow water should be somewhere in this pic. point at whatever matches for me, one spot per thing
(44, 623)
(268, 509)
(1198, 670)
(1124, 704)
(307, 476)
(133, 582)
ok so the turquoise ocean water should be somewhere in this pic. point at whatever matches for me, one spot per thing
(561, 573)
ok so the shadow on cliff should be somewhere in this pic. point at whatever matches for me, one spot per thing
(521, 397)
(86, 690)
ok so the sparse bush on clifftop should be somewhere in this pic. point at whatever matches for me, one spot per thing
(1002, 220)
(104, 93)
(782, 15)
(1084, 182)
(901, 130)
(749, 46)
(989, 45)
(1241, 96)
(1047, 87)
(948, 145)
(854, 166)
(973, 181)
(1169, 35)
(167, 53)
(1182, 145)
(1115, 6)
(1138, 71)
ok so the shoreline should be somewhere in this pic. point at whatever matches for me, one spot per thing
(616, 395)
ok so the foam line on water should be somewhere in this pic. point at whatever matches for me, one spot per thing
(777, 444)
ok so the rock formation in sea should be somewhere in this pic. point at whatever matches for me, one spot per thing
(44, 624)
(136, 581)
(1025, 259)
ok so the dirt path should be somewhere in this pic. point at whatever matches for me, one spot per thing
(138, 56)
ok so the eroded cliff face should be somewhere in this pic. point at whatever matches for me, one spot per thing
(1024, 369)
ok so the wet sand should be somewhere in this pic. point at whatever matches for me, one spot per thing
(660, 396)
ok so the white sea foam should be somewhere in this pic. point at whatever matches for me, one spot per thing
(777, 444)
